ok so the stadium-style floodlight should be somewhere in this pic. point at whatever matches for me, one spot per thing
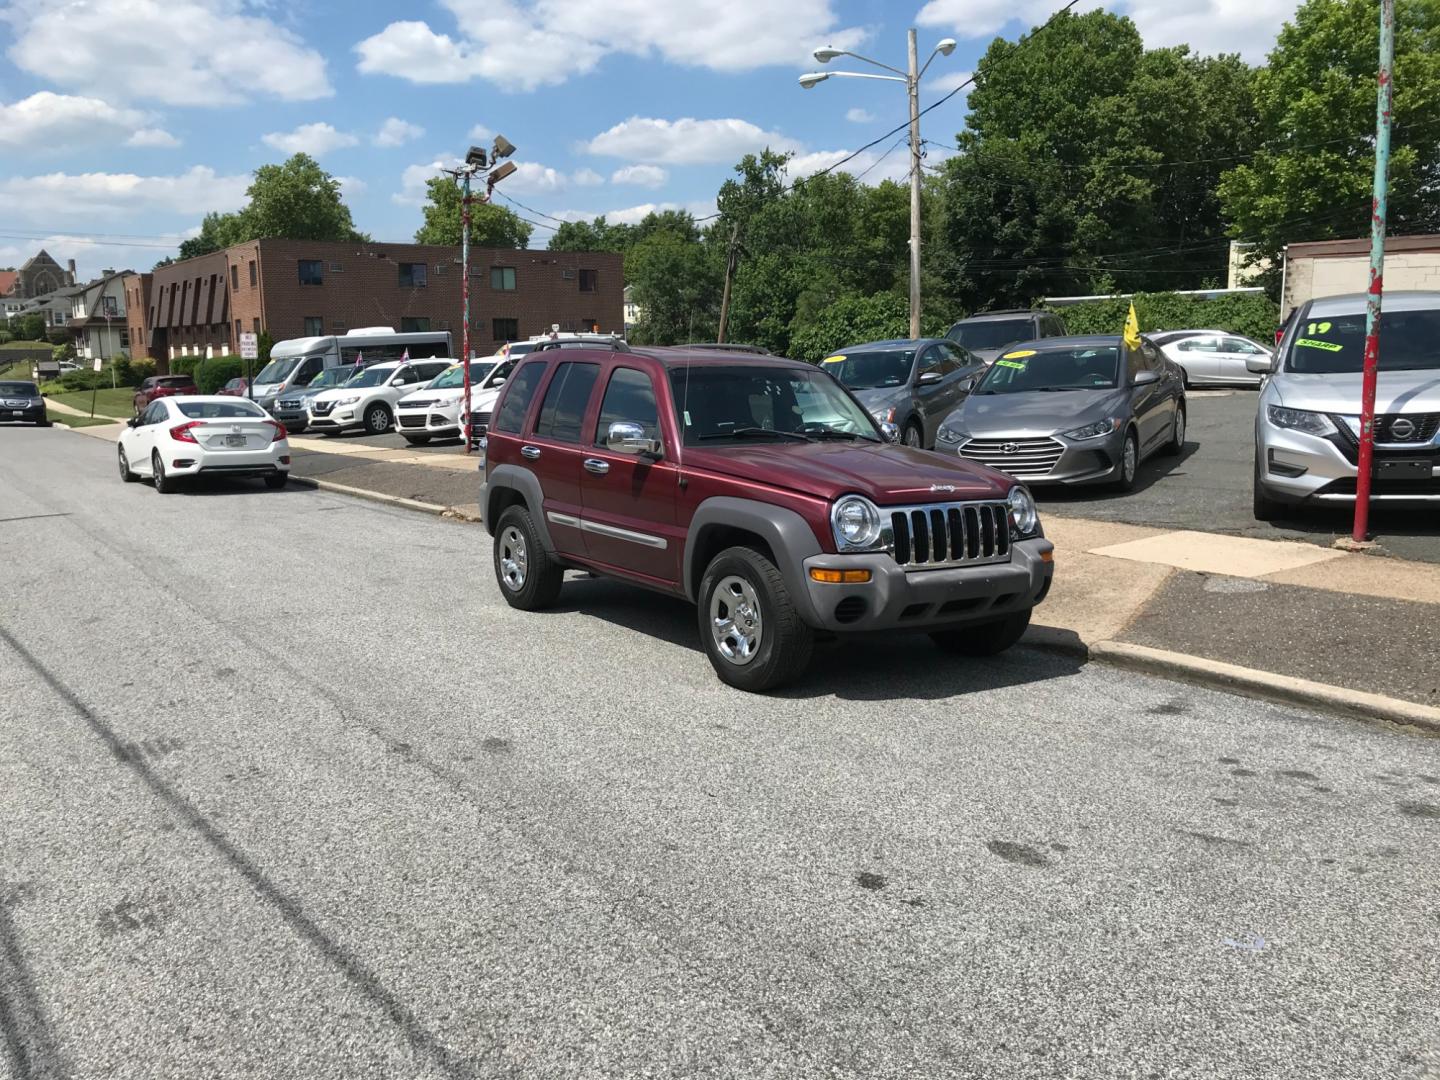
(476, 157)
(496, 175)
(503, 148)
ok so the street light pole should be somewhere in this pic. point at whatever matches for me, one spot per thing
(914, 87)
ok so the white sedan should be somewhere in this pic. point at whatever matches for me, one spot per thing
(187, 436)
(1215, 357)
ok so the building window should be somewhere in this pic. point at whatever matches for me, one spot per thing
(502, 278)
(589, 280)
(506, 329)
(314, 326)
(237, 330)
(256, 324)
(410, 325)
(312, 272)
(125, 337)
(412, 275)
(252, 273)
(234, 276)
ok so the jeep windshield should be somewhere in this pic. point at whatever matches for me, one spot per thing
(871, 370)
(1335, 344)
(990, 334)
(1089, 367)
(735, 403)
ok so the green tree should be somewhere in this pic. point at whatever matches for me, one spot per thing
(1316, 107)
(490, 225)
(216, 231)
(298, 201)
(29, 327)
(597, 235)
(677, 286)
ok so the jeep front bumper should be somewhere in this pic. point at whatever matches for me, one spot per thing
(896, 599)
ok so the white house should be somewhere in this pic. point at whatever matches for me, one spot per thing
(97, 318)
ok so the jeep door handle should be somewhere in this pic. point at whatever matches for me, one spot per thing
(530, 452)
(596, 466)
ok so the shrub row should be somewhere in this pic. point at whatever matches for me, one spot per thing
(1251, 315)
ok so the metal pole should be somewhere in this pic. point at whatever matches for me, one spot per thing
(465, 300)
(1383, 107)
(914, 86)
(729, 276)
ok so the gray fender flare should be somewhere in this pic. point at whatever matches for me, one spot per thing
(787, 533)
(514, 478)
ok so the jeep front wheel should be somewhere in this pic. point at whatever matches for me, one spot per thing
(748, 624)
(529, 579)
(984, 639)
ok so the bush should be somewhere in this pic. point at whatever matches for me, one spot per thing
(210, 375)
(130, 372)
(853, 319)
(1250, 315)
(85, 379)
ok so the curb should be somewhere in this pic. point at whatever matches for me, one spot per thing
(1266, 684)
(376, 496)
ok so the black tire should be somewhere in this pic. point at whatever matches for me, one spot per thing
(126, 474)
(528, 577)
(785, 643)
(418, 440)
(276, 481)
(984, 639)
(163, 484)
(913, 436)
(1125, 481)
(1264, 507)
(1176, 445)
(377, 420)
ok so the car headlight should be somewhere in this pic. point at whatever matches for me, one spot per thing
(1092, 431)
(347, 400)
(952, 434)
(883, 416)
(856, 523)
(1024, 518)
(1311, 423)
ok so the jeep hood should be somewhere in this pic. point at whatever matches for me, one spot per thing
(886, 473)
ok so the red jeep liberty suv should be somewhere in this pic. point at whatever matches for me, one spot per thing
(763, 492)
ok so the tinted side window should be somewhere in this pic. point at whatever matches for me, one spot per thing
(952, 357)
(519, 392)
(564, 406)
(629, 398)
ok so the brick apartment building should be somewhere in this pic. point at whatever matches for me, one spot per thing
(297, 288)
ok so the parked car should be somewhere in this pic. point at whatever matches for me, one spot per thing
(988, 333)
(1307, 428)
(911, 384)
(67, 365)
(1071, 411)
(1214, 357)
(158, 386)
(367, 400)
(176, 438)
(482, 404)
(22, 403)
(290, 405)
(761, 490)
(234, 388)
(433, 412)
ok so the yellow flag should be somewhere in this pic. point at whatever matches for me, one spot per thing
(1132, 328)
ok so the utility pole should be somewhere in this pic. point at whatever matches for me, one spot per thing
(731, 257)
(914, 87)
(1383, 108)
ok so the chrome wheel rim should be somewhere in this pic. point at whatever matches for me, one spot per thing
(378, 423)
(736, 625)
(1129, 460)
(158, 468)
(514, 559)
(912, 437)
(124, 465)
(1179, 427)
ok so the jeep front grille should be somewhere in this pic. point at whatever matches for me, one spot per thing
(950, 534)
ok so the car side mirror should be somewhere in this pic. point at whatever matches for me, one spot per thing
(928, 378)
(1259, 365)
(134, 421)
(1146, 377)
(890, 431)
(628, 438)
(968, 384)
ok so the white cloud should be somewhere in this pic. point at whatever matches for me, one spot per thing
(499, 40)
(62, 122)
(397, 132)
(117, 196)
(860, 116)
(951, 80)
(351, 186)
(481, 133)
(687, 141)
(586, 178)
(1209, 26)
(313, 139)
(157, 138)
(870, 166)
(632, 215)
(532, 178)
(181, 52)
(651, 176)
(413, 181)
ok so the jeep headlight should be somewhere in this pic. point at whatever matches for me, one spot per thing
(1311, 423)
(856, 523)
(1092, 431)
(1024, 518)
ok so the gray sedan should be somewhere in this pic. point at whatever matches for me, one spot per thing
(289, 407)
(1071, 410)
(911, 384)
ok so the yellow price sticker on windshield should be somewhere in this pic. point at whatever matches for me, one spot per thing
(1019, 353)
(833, 360)
(1311, 343)
(1010, 363)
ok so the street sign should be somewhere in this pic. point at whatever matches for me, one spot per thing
(249, 347)
(97, 363)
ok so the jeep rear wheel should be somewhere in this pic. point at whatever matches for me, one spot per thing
(984, 639)
(748, 624)
(529, 579)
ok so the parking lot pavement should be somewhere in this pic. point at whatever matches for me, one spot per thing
(269, 808)
(1208, 488)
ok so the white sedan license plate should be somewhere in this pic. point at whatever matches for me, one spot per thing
(234, 440)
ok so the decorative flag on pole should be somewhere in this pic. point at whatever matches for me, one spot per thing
(1132, 328)
(359, 360)
(405, 357)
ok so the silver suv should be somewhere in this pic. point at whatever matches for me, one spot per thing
(1308, 425)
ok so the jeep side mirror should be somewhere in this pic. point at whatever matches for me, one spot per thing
(890, 431)
(628, 438)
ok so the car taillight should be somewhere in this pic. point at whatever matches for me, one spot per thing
(182, 433)
(280, 432)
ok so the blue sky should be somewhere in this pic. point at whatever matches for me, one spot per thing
(122, 121)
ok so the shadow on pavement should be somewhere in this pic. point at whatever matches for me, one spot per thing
(1151, 472)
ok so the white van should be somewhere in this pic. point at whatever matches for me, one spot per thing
(295, 362)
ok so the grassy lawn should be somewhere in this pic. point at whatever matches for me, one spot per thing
(26, 345)
(117, 403)
(78, 421)
(14, 371)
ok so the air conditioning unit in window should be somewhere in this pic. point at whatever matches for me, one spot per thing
(439, 269)
(567, 274)
(336, 268)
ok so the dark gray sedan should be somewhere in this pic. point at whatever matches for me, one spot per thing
(21, 403)
(1072, 410)
(913, 384)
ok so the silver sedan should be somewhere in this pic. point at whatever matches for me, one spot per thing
(1213, 357)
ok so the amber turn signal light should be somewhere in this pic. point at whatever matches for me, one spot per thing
(839, 577)
(1047, 556)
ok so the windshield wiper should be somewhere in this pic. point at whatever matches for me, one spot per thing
(1058, 389)
(750, 432)
(836, 433)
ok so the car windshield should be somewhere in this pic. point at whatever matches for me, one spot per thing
(176, 380)
(735, 403)
(1335, 344)
(870, 370)
(276, 371)
(371, 376)
(1085, 367)
(214, 410)
(19, 389)
(454, 378)
(335, 376)
(990, 334)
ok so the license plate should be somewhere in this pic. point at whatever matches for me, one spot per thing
(1403, 469)
(234, 440)
(18, 412)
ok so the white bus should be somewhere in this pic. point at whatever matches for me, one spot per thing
(295, 362)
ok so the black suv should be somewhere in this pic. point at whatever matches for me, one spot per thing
(987, 333)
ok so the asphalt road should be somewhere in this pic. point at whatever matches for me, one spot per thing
(277, 798)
